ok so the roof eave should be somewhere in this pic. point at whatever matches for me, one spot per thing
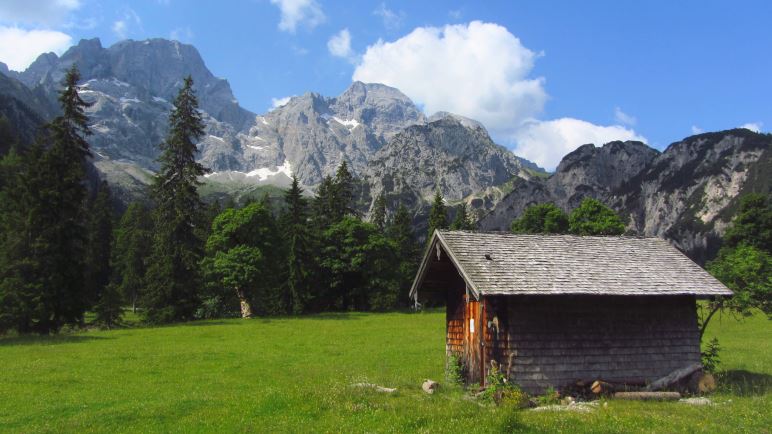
(437, 238)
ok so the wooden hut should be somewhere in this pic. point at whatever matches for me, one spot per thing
(553, 310)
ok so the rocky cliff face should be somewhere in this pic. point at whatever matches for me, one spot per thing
(316, 133)
(131, 86)
(450, 154)
(686, 194)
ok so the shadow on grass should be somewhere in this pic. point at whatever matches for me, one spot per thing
(49, 340)
(312, 317)
(198, 323)
(745, 383)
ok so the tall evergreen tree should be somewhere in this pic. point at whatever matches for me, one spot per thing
(343, 196)
(323, 203)
(173, 280)
(438, 218)
(300, 264)
(100, 241)
(400, 231)
(16, 260)
(378, 214)
(43, 265)
(133, 241)
(462, 221)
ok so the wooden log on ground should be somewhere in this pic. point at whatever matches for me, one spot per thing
(673, 377)
(602, 388)
(648, 396)
(375, 387)
(701, 383)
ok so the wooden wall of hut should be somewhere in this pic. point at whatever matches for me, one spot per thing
(553, 341)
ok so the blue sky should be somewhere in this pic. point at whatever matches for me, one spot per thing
(544, 77)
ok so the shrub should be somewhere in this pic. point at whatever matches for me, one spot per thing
(454, 370)
(710, 356)
(500, 391)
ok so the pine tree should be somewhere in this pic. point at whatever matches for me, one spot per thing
(378, 214)
(16, 293)
(100, 240)
(343, 193)
(323, 203)
(438, 215)
(299, 250)
(400, 231)
(133, 241)
(462, 222)
(43, 262)
(108, 310)
(173, 280)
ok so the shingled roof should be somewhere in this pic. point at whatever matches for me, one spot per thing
(512, 264)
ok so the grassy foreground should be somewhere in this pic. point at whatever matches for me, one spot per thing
(294, 375)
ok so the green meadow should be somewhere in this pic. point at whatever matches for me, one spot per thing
(295, 375)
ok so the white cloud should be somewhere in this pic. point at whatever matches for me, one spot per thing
(624, 118)
(391, 20)
(547, 142)
(753, 126)
(45, 12)
(19, 48)
(697, 130)
(479, 70)
(295, 12)
(482, 71)
(278, 102)
(120, 29)
(340, 44)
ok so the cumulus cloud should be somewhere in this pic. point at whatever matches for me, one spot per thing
(753, 126)
(624, 118)
(479, 70)
(19, 48)
(42, 12)
(482, 71)
(340, 44)
(296, 12)
(546, 142)
(697, 130)
(391, 20)
(278, 102)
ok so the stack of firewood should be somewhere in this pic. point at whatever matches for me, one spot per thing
(690, 379)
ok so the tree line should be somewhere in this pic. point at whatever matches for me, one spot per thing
(63, 252)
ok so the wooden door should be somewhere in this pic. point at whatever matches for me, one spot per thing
(473, 338)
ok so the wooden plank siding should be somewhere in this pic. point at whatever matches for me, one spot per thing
(543, 341)
(454, 316)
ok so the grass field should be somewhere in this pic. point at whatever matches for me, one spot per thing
(294, 375)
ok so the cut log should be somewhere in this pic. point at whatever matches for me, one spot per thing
(701, 383)
(375, 387)
(648, 396)
(673, 378)
(602, 388)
